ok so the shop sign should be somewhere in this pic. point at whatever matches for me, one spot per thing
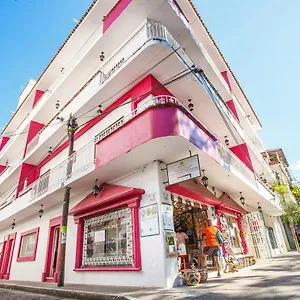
(149, 220)
(184, 169)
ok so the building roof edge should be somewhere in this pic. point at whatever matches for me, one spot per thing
(51, 61)
(223, 58)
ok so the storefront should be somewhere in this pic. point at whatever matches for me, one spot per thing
(192, 205)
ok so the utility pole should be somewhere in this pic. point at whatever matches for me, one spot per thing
(72, 126)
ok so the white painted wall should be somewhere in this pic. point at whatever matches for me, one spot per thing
(89, 135)
(274, 223)
(157, 270)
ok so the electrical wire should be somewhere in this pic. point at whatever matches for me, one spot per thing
(61, 139)
(138, 97)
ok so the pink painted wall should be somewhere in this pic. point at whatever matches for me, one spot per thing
(37, 97)
(3, 142)
(115, 13)
(144, 87)
(242, 152)
(232, 107)
(151, 124)
(226, 78)
(34, 129)
(2, 168)
(27, 171)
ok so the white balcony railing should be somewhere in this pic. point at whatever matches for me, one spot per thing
(234, 164)
(81, 162)
(33, 143)
(74, 166)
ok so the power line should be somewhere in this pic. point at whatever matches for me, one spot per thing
(61, 138)
(136, 98)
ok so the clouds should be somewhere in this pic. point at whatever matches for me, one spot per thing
(296, 166)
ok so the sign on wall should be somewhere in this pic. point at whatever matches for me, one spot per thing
(184, 169)
(149, 220)
(168, 217)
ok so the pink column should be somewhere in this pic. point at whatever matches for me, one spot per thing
(241, 229)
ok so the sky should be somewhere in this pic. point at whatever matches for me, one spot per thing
(259, 39)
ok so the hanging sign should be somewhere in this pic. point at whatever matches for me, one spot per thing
(184, 169)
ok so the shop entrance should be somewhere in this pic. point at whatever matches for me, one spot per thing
(189, 217)
(232, 243)
(7, 255)
(50, 273)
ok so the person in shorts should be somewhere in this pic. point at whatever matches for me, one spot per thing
(211, 245)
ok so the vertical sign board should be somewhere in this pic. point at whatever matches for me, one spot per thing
(149, 220)
(184, 169)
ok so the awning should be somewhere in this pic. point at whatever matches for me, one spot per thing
(229, 203)
(109, 194)
(194, 190)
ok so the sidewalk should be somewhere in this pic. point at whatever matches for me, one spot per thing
(275, 279)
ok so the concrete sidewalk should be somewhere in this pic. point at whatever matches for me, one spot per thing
(275, 279)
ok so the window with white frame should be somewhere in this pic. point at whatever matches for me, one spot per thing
(1, 246)
(108, 239)
(28, 245)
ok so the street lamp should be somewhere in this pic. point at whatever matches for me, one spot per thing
(259, 208)
(242, 199)
(41, 211)
(204, 179)
(96, 188)
(13, 224)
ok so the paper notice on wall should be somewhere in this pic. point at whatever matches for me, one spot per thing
(149, 220)
(99, 236)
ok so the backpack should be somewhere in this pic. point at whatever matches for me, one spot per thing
(220, 239)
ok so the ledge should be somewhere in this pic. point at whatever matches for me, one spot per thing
(108, 269)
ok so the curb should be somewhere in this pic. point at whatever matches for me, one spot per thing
(65, 293)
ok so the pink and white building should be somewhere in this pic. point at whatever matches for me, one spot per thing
(148, 87)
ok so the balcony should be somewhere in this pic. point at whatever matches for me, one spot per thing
(82, 162)
(80, 169)
(77, 165)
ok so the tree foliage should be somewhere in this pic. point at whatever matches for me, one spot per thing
(295, 189)
(291, 212)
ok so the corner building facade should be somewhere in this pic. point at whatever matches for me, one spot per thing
(151, 92)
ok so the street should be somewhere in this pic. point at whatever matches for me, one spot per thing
(275, 279)
(17, 295)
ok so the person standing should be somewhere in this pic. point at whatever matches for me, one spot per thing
(211, 242)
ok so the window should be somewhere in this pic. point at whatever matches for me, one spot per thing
(108, 234)
(108, 239)
(272, 238)
(28, 245)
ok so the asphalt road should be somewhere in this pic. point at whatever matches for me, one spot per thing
(16, 295)
(277, 279)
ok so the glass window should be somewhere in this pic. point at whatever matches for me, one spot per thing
(108, 239)
(1, 246)
(28, 245)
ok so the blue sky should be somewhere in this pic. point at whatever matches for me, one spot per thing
(259, 39)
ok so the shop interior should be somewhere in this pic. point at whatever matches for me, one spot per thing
(189, 218)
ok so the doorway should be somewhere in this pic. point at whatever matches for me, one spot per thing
(52, 254)
(7, 255)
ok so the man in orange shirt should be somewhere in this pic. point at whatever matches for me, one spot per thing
(211, 245)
